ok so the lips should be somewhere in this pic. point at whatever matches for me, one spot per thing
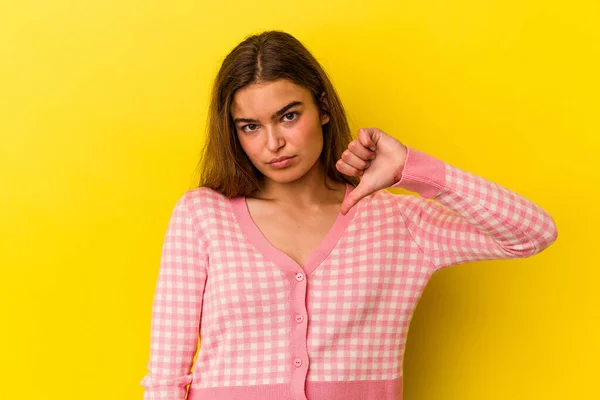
(281, 162)
(278, 159)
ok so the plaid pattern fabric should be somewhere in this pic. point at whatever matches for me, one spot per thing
(270, 328)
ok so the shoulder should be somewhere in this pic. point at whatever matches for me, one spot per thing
(203, 197)
(385, 203)
(203, 202)
(384, 199)
(203, 207)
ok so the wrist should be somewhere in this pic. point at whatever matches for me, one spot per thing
(401, 163)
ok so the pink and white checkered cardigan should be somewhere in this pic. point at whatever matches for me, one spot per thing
(334, 328)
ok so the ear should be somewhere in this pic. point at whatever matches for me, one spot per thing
(324, 109)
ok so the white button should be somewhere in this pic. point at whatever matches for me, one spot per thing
(299, 276)
(297, 362)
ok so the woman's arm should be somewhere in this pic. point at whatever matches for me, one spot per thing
(461, 217)
(177, 308)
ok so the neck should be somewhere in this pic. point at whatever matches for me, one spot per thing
(308, 191)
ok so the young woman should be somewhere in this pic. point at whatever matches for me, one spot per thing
(297, 271)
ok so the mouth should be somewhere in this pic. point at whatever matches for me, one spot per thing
(278, 159)
(281, 162)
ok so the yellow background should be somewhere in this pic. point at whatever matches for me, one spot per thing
(102, 112)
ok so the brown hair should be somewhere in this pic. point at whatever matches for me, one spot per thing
(271, 55)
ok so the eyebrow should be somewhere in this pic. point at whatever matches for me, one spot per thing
(277, 113)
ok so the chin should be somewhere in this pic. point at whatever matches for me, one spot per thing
(285, 176)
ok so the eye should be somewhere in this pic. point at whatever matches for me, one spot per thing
(290, 116)
(249, 128)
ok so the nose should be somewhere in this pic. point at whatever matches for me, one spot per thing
(275, 140)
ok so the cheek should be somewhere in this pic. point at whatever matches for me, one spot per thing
(248, 147)
(308, 131)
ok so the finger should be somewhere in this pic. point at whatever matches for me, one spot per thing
(361, 151)
(353, 160)
(348, 169)
(367, 137)
(354, 196)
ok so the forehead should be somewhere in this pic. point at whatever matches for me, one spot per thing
(261, 100)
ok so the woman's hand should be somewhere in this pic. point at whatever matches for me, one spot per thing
(377, 158)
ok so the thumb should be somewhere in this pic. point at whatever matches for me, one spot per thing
(354, 196)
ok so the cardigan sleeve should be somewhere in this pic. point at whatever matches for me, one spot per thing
(176, 308)
(460, 217)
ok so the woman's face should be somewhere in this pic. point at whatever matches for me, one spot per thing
(279, 120)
